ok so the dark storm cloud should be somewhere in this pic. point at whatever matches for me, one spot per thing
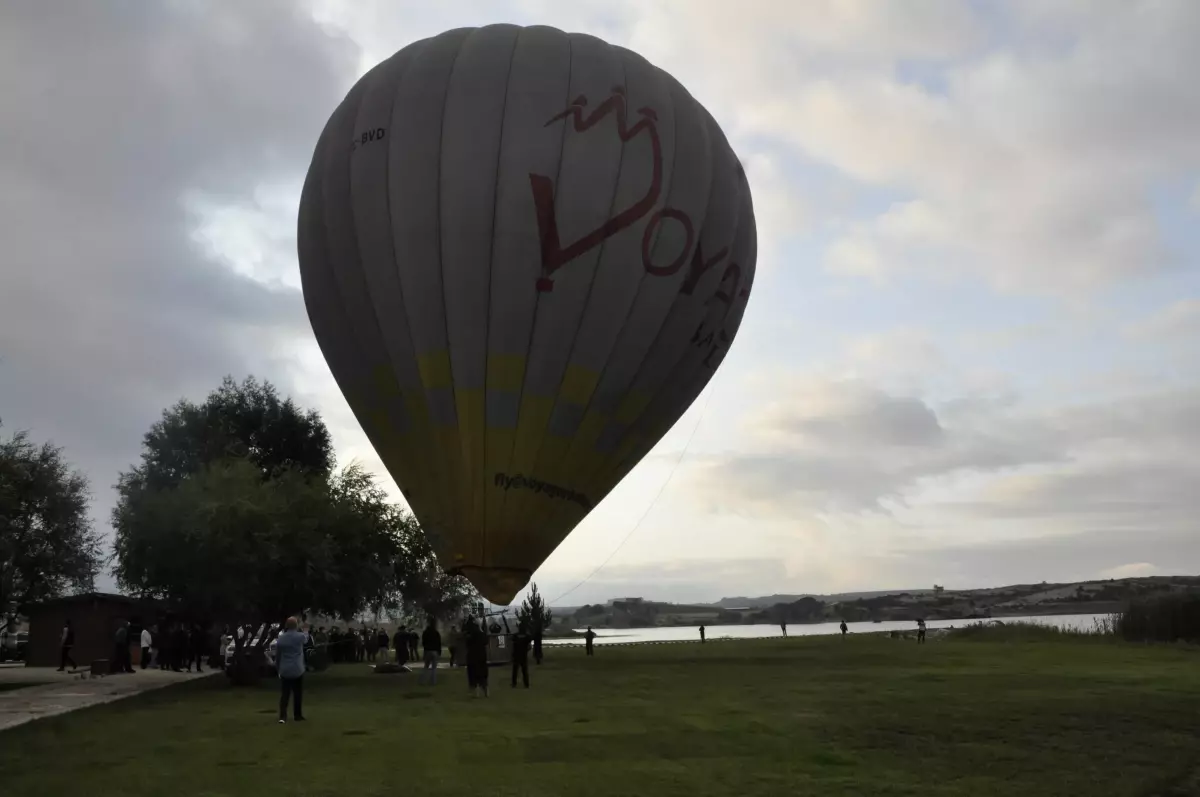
(111, 114)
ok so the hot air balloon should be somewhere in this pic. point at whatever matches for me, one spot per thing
(523, 254)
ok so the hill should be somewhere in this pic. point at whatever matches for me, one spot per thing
(938, 603)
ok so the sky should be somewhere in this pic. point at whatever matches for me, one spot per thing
(970, 357)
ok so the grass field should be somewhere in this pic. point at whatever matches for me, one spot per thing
(806, 716)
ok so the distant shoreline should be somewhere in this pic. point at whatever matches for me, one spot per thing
(1051, 610)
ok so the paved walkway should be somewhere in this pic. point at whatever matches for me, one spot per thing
(50, 693)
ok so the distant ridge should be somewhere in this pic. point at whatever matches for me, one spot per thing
(838, 597)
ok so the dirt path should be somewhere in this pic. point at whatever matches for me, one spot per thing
(30, 693)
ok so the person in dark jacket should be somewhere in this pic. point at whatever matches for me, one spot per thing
(197, 644)
(588, 638)
(477, 656)
(431, 640)
(67, 642)
(520, 654)
(401, 643)
(179, 643)
(121, 659)
(537, 643)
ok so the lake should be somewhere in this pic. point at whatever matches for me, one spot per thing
(762, 631)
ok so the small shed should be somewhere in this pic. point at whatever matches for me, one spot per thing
(94, 616)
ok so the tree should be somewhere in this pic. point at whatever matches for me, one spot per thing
(228, 544)
(419, 584)
(235, 513)
(237, 421)
(534, 612)
(47, 543)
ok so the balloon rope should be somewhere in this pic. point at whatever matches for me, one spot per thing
(703, 409)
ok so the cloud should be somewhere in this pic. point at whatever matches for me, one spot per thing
(115, 116)
(843, 447)
(831, 445)
(1177, 323)
(1031, 168)
(1131, 570)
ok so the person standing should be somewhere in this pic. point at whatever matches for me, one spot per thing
(520, 654)
(67, 642)
(147, 644)
(196, 646)
(382, 642)
(477, 655)
(179, 644)
(701, 635)
(921, 632)
(843, 627)
(783, 628)
(289, 663)
(431, 640)
(400, 640)
(121, 659)
(537, 643)
(587, 640)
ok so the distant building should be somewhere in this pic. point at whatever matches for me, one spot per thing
(94, 617)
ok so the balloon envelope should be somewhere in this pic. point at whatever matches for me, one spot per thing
(524, 253)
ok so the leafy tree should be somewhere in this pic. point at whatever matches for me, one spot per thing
(246, 420)
(228, 544)
(47, 543)
(534, 612)
(419, 585)
(235, 513)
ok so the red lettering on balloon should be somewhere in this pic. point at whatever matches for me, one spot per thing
(648, 237)
(554, 254)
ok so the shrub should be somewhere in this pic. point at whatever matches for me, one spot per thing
(1163, 618)
(1026, 631)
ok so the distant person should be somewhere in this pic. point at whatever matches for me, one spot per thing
(147, 645)
(588, 638)
(401, 643)
(197, 644)
(310, 646)
(783, 628)
(843, 627)
(701, 635)
(520, 654)
(537, 643)
(179, 643)
(289, 663)
(382, 643)
(67, 642)
(920, 632)
(477, 657)
(121, 660)
(431, 640)
(413, 638)
(453, 644)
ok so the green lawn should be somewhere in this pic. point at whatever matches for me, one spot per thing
(805, 716)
